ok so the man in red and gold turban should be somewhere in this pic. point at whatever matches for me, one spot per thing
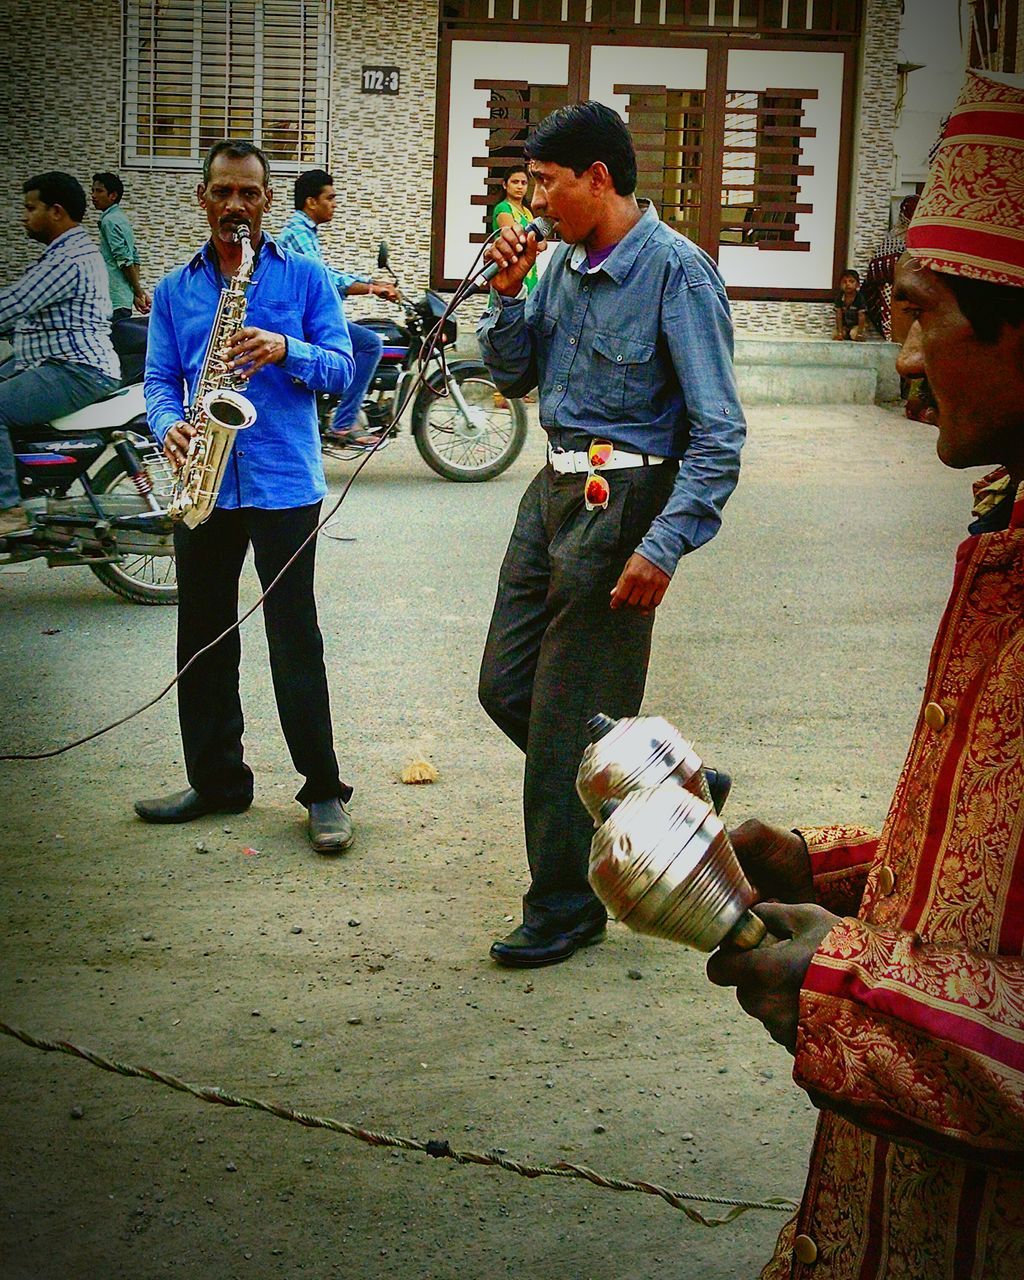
(899, 983)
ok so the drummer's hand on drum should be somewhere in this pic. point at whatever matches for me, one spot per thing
(516, 253)
(774, 860)
(176, 443)
(768, 978)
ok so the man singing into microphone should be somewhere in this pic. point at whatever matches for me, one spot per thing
(629, 338)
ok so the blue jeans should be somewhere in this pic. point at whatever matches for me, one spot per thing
(39, 395)
(366, 350)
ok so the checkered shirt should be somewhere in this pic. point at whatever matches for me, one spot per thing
(60, 308)
(298, 235)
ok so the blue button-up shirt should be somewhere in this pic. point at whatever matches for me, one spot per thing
(637, 350)
(276, 463)
(299, 235)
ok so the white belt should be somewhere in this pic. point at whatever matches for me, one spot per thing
(567, 463)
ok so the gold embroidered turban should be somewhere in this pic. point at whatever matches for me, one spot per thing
(970, 220)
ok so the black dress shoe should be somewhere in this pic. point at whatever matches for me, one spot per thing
(528, 948)
(719, 785)
(330, 826)
(185, 806)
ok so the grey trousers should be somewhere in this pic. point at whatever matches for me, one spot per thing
(556, 654)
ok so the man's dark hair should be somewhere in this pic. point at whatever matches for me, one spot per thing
(110, 182)
(238, 151)
(582, 133)
(55, 187)
(310, 184)
(854, 275)
(987, 307)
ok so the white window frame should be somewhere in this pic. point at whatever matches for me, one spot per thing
(132, 18)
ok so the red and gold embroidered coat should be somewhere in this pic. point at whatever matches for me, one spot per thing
(911, 1034)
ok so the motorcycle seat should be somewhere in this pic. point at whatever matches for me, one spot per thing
(115, 410)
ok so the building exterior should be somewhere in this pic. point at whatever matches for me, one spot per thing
(937, 38)
(765, 127)
(930, 61)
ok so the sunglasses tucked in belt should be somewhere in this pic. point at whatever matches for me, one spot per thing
(601, 456)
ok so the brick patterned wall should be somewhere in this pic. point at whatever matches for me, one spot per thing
(1018, 65)
(60, 106)
(782, 319)
(381, 148)
(874, 156)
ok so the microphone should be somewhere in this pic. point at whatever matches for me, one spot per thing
(541, 228)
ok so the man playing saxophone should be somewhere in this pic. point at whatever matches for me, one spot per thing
(294, 342)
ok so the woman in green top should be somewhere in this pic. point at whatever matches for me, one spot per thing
(513, 211)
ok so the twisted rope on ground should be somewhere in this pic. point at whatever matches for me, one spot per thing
(435, 1147)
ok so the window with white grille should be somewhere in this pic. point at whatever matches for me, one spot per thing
(762, 166)
(200, 70)
(799, 17)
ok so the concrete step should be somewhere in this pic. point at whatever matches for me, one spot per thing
(797, 370)
(815, 371)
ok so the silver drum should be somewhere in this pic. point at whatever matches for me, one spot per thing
(631, 754)
(663, 864)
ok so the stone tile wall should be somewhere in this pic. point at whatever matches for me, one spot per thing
(60, 106)
(1018, 65)
(382, 148)
(782, 319)
(60, 101)
(875, 155)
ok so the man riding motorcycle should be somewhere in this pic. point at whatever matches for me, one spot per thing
(58, 315)
(315, 201)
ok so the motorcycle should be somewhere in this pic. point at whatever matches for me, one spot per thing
(96, 485)
(464, 428)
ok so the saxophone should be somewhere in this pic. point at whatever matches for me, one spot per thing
(218, 411)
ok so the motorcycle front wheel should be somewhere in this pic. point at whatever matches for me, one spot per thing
(141, 578)
(478, 447)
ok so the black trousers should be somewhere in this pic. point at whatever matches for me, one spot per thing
(209, 564)
(556, 654)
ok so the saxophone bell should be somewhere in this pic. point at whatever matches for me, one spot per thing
(229, 410)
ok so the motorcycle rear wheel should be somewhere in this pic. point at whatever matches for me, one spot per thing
(462, 451)
(139, 578)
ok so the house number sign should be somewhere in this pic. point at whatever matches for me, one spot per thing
(380, 80)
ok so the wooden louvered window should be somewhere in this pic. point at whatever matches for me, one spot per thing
(761, 163)
(761, 168)
(200, 70)
(514, 107)
(757, 175)
(668, 134)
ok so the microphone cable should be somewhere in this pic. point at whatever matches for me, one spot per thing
(466, 288)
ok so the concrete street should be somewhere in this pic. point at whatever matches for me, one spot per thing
(792, 650)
